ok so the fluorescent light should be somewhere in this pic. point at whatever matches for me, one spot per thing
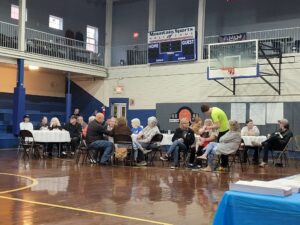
(30, 67)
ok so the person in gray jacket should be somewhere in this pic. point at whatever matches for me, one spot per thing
(228, 144)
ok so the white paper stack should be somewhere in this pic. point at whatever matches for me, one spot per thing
(261, 187)
(292, 182)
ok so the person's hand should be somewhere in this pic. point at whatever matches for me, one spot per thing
(180, 139)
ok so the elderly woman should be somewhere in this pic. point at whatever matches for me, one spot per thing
(136, 126)
(81, 122)
(228, 144)
(55, 124)
(251, 130)
(182, 139)
(142, 140)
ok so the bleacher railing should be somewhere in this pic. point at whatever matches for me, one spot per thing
(38, 42)
(51, 45)
(8, 35)
(129, 55)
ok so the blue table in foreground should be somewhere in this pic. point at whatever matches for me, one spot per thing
(239, 208)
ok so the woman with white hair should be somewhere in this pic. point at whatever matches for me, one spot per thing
(182, 139)
(136, 126)
(228, 144)
(54, 124)
(143, 139)
(84, 130)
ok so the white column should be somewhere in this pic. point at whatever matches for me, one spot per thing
(201, 26)
(108, 33)
(22, 20)
(152, 15)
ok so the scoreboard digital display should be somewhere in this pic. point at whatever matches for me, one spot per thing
(172, 45)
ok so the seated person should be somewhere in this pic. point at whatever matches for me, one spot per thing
(26, 124)
(196, 125)
(75, 130)
(182, 139)
(228, 144)
(277, 140)
(207, 134)
(250, 130)
(110, 123)
(142, 140)
(121, 128)
(81, 122)
(43, 124)
(96, 141)
(84, 130)
(55, 124)
(136, 126)
(76, 112)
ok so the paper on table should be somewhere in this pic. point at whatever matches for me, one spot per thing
(258, 113)
(260, 187)
(274, 112)
(288, 183)
(238, 112)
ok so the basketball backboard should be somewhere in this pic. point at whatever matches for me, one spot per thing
(233, 60)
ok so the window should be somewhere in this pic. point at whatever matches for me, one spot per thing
(14, 12)
(92, 39)
(56, 22)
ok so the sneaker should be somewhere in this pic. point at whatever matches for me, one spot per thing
(64, 153)
(221, 169)
(143, 163)
(174, 167)
(165, 158)
(145, 152)
(93, 161)
(190, 165)
(203, 157)
(263, 164)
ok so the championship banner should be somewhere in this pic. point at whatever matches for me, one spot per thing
(171, 35)
(232, 37)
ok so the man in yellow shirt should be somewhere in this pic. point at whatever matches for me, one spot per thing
(220, 122)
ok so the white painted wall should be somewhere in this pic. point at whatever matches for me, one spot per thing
(187, 82)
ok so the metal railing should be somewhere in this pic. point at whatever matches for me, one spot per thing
(287, 39)
(38, 42)
(8, 35)
(129, 55)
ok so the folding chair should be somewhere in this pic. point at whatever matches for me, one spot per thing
(154, 145)
(28, 144)
(82, 150)
(238, 155)
(282, 154)
(125, 140)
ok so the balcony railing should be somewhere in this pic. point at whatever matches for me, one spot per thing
(8, 35)
(51, 45)
(37, 42)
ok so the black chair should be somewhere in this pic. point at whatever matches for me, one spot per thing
(83, 150)
(236, 157)
(28, 145)
(278, 155)
(154, 145)
(123, 139)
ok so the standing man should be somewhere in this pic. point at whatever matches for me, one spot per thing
(220, 122)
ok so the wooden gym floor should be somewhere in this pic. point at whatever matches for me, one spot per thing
(59, 192)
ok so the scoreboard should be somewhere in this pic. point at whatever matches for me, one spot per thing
(172, 45)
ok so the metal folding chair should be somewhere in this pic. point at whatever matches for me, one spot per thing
(281, 155)
(154, 145)
(28, 145)
(125, 140)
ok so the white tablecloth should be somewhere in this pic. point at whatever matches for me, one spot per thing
(257, 139)
(167, 140)
(47, 136)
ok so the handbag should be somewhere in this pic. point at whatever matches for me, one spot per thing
(120, 153)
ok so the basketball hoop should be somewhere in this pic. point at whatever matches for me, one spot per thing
(228, 73)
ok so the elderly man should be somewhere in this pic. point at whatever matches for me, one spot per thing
(277, 140)
(95, 138)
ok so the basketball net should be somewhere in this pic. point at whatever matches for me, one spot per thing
(228, 74)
